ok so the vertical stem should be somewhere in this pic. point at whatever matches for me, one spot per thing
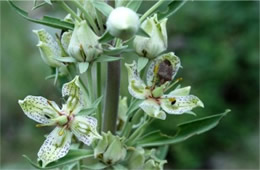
(151, 10)
(99, 89)
(112, 96)
(69, 10)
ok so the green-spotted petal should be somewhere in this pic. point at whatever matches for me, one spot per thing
(164, 68)
(39, 109)
(180, 92)
(74, 90)
(84, 128)
(151, 108)
(136, 86)
(55, 146)
(49, 48)
(180, 104)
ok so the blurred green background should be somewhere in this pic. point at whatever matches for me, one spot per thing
(218, 43)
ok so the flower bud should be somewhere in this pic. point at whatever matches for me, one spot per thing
(83, 45)
(110, 149)
(123, 23)
(49, 48)
(157, 43)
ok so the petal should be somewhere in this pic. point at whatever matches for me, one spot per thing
(180, 104)
(180, 92)
(163, 69)
(55, 146)
(65, 40)
(84, 128)
(77, 97)
(151, 108)
(49, 48)
(39, 109)
(136, 86)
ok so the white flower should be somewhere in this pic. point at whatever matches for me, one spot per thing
(123, 23)
(160, 73)
(66, 120)
(157, 43)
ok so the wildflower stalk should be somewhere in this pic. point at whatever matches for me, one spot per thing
(112, 96)
(69, 10)
(99, 87)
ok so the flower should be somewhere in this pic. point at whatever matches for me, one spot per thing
(123, 23)
(49, 48)
(110, 149)
(84, 45)
(66, 120)
(157, 43)
(159, 75)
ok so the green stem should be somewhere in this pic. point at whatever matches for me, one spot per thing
(112, 96)
(69, 10)
(99, 89)
(88, 17)
(138, 132)
(90, 83)
(151, 10)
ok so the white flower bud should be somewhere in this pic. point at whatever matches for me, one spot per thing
(157, 43)
(84, 45)
(123, 23)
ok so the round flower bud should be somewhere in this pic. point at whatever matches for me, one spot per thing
(123, 23)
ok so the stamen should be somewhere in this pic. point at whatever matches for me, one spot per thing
(61, 132)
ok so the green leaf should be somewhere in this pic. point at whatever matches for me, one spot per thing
(173, 7)
(105, 37)
(39, 5)
(134, 4)
(106, 58)
(71, 157)
(142, 61)
(185, 131)
(87, 111)
(142, 33)
(96, 102)
(46, 20)
(97, 165)
(66, 59)
(134, 106)
(103, 7)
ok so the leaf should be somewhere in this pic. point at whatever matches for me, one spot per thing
(96, 102)
(105, 37)
(173, 7)
(66, 59)
(72, 156)
(46, 20)
(185, 131)
(142, 33)
(39, 5)
(142, 61)
(134, 4)
(103, 7)
(97, 165)
(106, 58)
(116, 51)
(83, 66)
(134, 106)
(87, 111)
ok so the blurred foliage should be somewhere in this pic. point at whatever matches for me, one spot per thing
(218, 43)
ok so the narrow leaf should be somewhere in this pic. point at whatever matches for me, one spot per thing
(134, 4)
(71, 157)
(106, 58)
(106, 37)
(66, 59)
(103, 7)
(96, 166)
(185, 131)
(46, 20)
(173, 7)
